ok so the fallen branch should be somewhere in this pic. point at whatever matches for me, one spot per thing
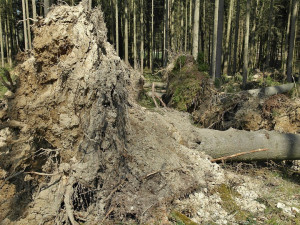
(238, 154)
(108, 213)
(269, 91)
(153, 95)
(162, 102)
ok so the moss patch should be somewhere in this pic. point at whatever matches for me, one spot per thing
(181, 219)
(228, 203)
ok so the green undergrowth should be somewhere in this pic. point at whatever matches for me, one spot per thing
(145, 101)
(186, 83)
(3, 89)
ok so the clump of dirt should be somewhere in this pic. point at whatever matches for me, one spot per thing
(276, 112)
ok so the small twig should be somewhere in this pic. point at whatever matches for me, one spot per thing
(107, 214)
(20, 21)
(150, 174)
(239, 154)
(114, 190)
(153, 95)
(42, 174)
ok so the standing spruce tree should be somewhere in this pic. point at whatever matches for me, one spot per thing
(292, 40)
(246, 44)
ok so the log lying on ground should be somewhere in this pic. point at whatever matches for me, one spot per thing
(223, 143)
(268, 91)
(157, 85)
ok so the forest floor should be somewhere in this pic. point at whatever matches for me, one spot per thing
(84, 151)
(275, 185)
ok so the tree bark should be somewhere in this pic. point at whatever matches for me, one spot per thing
(126, 32)
(152, 36)
(117, 27)
(223, 143)
(269, 33)
(215, 41)
(219, 40)
(236, 36)
(292, 40)
(25, 25)
(196, 29)
(33, 10)
(134, 37)
(226, 57)
(190, 27)
(28, 24)
(268, 91)
(246, 44)
(1, 40)
(166, 41)
(287, 36)
(142, 36)
(46, 7)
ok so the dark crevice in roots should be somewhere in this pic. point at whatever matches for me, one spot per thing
(82, 197)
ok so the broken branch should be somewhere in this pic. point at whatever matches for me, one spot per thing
(238, 154)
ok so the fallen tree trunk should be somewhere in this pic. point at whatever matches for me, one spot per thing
(269, 91)
(223, 143)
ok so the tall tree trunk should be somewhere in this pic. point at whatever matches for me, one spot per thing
(292, 40)
(166, 41)
(215, 40)
(134, 37)
(287, 38)
(236, 36)
(269, 33)
(253, 37)
(142, 36)
(204, 30)
(33, 10)
(46, 7)
(219, 40)
(196, 29)
(190, 27)
(28, 24)
(152, 36)
(126, 32)
(246, 44)
(186, 27)
(226, 57)
(25, 25)
(1, 40)
(117, 27)
(182, 32)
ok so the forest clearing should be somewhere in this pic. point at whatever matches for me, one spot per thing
(180, 133)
